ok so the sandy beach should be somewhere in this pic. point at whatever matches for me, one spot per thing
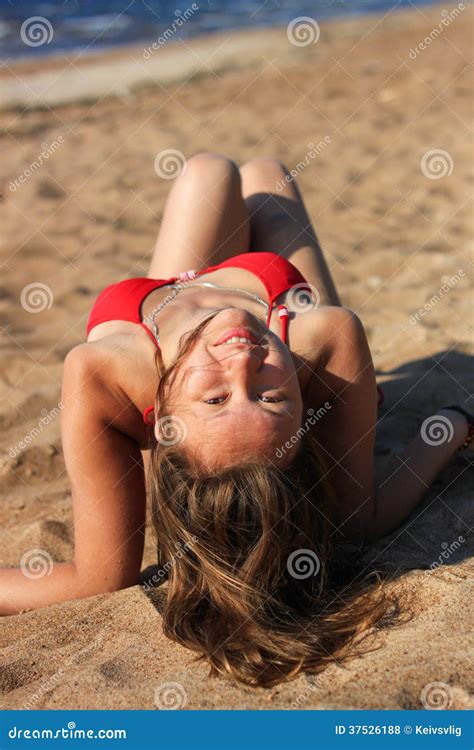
(389, 195)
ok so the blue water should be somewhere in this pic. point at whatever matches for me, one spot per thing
(92, 25)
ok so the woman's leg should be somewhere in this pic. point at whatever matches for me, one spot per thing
(280, 224)
(205, 219)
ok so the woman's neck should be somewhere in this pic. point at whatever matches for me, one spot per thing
(190, 308)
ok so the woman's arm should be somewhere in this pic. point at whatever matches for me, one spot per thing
(408, 476)
(108, 489)
(366, 510)
(343, 377)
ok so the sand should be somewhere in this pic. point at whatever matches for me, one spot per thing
(89, 215)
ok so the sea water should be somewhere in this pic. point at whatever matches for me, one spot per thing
(93, 25)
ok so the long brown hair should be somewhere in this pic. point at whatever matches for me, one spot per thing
(253, 588)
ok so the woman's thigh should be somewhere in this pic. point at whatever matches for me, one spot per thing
(205, 220)
(280, 223)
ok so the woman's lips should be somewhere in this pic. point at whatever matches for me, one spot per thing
(242, 333)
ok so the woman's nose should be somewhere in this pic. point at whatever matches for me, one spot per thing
(248, 358)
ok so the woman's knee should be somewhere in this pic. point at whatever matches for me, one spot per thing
(211, 168)
(264, 165)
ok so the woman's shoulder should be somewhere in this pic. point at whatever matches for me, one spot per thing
(326, 327)
(93, 360)
(333, 317)
(90, 370)
(113, 375)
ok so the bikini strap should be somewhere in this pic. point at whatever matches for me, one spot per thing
(187, 275)
(146, 415)
(283, 314)
(149, 334)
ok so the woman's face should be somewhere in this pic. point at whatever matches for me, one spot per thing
(237, 393)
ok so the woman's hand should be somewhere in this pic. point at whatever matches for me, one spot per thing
(409, 475)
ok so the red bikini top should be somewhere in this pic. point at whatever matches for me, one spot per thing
(123, 300)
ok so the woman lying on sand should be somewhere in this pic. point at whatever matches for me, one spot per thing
(261, 434)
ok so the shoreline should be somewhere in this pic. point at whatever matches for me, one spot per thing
(57, 80)
(333, 14)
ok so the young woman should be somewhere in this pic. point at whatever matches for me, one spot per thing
(255, 391)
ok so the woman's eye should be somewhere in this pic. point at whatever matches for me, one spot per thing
(269, 399)
(215, 400)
